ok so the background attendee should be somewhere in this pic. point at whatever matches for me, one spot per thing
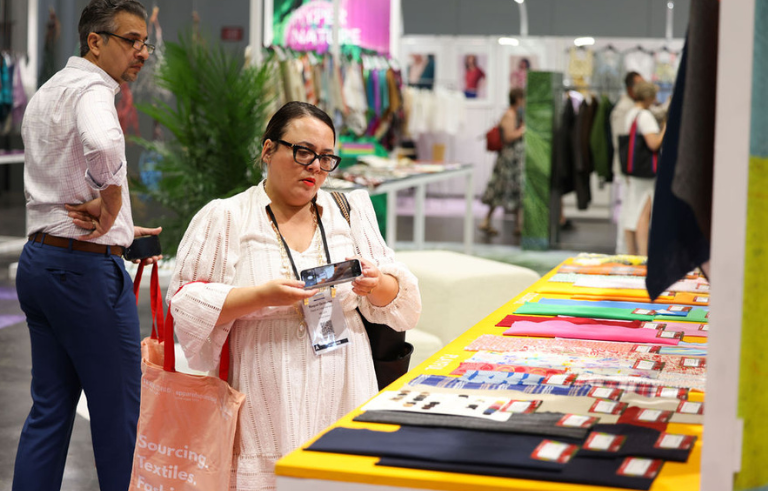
(503, 187)
(638, 198)
(248, 250)
(71, 281)
(618, 115)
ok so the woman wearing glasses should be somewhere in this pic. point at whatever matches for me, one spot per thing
(249, 250)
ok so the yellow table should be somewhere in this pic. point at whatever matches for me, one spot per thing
(318, 471)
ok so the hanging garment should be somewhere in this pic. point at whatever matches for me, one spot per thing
(608, 74)
(583, 158)
(580, 66)
(600, 141)
(19, 95)
(564, 173)
(677, 243)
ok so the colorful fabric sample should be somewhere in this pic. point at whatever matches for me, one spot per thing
(598, 332)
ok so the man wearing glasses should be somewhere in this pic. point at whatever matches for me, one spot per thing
(71, 281)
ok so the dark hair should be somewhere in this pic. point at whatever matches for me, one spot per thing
(99, 16)
(629, 79)
(294, 110)
(515, 95)
(527, 62)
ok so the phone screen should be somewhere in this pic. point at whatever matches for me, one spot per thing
(331, 274)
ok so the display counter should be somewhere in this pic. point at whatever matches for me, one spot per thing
(303, 469)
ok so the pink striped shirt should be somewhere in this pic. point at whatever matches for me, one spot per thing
(74, 147)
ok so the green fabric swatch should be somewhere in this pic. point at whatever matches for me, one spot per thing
(695, 315)
(535, 308)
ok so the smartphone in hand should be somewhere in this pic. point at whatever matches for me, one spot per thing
(143, 247)
(331, 274)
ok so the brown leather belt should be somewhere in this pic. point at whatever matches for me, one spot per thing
(76, 245)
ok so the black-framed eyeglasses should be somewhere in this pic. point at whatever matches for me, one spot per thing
(135, 43)
(305, 156)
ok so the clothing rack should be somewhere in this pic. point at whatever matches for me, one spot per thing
(6, 25)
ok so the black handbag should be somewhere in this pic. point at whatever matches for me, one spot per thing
(637, 160)
(391, 353)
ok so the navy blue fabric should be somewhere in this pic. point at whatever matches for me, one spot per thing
(84, 331)
(542, 424)
(639, 443)
(446, 445)
(580, 470)
(676, 244)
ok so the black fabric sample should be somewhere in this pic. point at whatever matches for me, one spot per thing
(676, 244)
(565, 175)
(543, 424)
(639, 443)
(450, 446)
(695, 161)
(580, 470)
(583, 157)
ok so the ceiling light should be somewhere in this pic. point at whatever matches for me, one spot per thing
(509, 42)
(584, 41)
(519, 1)
(670, 5)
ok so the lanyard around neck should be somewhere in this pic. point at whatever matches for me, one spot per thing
(285, 244)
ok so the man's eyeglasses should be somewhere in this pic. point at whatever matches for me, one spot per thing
(304, 156)
(135, 43)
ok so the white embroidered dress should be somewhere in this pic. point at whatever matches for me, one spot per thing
(291, 393)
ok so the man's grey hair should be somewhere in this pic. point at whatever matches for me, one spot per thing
(99, 16)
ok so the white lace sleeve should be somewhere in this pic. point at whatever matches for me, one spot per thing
(403, 312)
(207, 254)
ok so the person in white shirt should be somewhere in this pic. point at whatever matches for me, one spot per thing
(618, 114)
(637, 205)
(238, 269)
(71, 280)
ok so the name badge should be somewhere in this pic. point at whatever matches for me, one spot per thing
(325, 322)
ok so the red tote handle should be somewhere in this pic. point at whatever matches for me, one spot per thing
(169, 364)
(155, 299)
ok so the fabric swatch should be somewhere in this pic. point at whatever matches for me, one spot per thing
(580, 470)
(508, 320)
(597, 332)
(449, 445)
(538, 423)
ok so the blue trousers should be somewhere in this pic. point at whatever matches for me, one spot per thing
(84, 330)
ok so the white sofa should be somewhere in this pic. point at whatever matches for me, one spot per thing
(457, 291)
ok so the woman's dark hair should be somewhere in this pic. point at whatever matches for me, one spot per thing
(527, 63)
(99, 16)
(278, 125)
(515, 95)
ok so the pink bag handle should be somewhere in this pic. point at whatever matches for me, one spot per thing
(169, 363)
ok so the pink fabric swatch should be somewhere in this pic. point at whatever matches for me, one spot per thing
(689, 328)
(508, 320)
(596, 332)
